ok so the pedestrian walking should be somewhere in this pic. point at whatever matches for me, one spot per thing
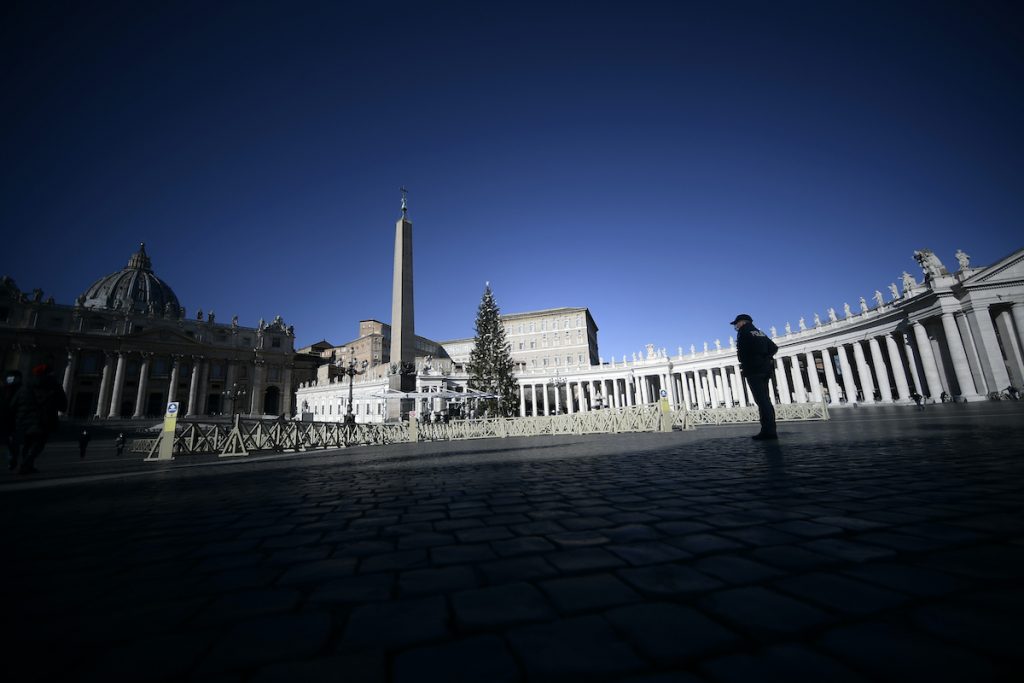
(8, 439)
(918, 399)
(755, 352)
(120, 442)
(36, 405)
(83, 443)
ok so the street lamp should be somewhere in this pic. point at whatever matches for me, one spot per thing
(234, 394)
(558, 382)
(350, 368)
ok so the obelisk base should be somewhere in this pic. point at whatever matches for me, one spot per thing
(398, 408)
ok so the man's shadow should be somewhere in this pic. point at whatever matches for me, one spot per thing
(774, 457)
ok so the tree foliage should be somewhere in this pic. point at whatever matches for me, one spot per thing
(490, 361)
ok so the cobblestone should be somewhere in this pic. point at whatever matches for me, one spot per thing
(871, 547)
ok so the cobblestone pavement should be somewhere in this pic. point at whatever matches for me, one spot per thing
(887, 544)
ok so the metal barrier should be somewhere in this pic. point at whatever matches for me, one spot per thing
(608, 421)
(784, 412)
(246, 435)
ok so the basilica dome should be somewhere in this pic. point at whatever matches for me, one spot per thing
(134, 288)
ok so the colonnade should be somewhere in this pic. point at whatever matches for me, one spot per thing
(114, 377)
(959, 353)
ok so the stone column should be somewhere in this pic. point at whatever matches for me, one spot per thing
(867, 384)
(959, 357)
(286, 384)
(799, 395)
(204, 387)
(1004, 323)
(883, 375)
(533, 399)
(726, 389)
(585, 405)
(912, 362)
(684, 395)
(557, 390)
(522, 400)
(849, 386)
(814, 385)
(615, 391)
(989, 353)
(115, 398)
(256, 407)
(547, 406)
(140, 395)
(741, 391)
(172, 390)
(782, 382)
(69, 374)
(830, 376)
(568, 398)
(931, 371)
(1017, 313)
(694, 385)
(973, 360)
(193, 387)
(896, 363)
(101, 402)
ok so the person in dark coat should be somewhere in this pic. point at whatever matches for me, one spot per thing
(36, 405)
(8, 440)
(83, 443)
(120, 442)
(754, 351)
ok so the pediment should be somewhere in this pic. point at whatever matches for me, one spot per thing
(1008, 270)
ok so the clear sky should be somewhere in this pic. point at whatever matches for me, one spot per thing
(667, 165)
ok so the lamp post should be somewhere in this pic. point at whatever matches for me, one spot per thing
(558, 382)
(351, 368)
(234, 394)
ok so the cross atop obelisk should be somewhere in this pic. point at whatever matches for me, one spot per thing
(405, 196)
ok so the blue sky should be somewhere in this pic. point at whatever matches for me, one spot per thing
(667, 165)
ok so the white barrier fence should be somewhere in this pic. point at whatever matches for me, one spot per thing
(245, 435)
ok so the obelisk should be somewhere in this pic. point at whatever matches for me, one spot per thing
(403, 335)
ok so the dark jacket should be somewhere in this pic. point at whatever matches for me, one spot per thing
(755, 351)
(36, 405)
(7, 414)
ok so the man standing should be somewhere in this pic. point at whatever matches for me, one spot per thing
(36, 405)
(755, 351)
(83, 443)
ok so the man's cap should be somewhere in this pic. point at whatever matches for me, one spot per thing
(742, 316)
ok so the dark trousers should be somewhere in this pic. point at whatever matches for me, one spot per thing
(31, 446)
(765, 406)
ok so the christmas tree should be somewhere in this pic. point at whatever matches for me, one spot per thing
(490, 361)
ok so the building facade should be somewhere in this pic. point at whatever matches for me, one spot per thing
(126, 348)
(541, 340)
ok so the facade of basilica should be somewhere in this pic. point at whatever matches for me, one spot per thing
(126, 348)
